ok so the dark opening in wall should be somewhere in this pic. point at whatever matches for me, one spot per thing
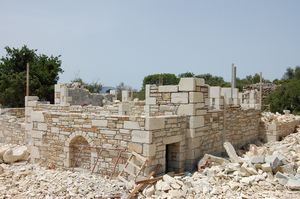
(80, 153)
(172, 157)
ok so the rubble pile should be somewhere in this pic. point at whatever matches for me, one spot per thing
(269, 117)
(269, 171)
(23, 180)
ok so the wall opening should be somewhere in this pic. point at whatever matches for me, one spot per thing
(172, 157)
(80, 153)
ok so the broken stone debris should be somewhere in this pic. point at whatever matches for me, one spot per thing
(268, 171)
(24, 180)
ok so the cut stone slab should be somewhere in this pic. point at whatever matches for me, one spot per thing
(207, 159)
(231, 152)
(293, 184)
(282, 179)
(258, 159)
(287, 169)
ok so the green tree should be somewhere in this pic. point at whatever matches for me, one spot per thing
(44, 73)
(213, 80)
(186, 74)
(286, 96)
(93, 87)
(164, 79)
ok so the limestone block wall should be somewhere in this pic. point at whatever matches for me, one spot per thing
(241, 125)
(206, 129)
(67, 95)
(185, 99)
(12, 130)
(54, 137)
(18, 112)
(275, 130)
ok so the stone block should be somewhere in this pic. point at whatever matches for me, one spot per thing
(131, 125)
(151, 100)
(168, 89)
(37, 116)
(186, 109)
(187, 84)
(42, 126)
(149, 149)
(181, 98)
(108, 132)
(196, 121)
(37, 134)
(172, 139)
(54, 130)
(141, 136)
(215, 92)
(196, 97)
(135, 147)
(153, 123)
(101, 123)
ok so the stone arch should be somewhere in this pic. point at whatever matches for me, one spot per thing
(77, 151)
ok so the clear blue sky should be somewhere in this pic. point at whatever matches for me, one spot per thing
(123, 41)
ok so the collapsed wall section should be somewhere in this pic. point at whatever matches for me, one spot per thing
(273, 127)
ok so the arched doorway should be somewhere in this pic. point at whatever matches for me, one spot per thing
(80, 153)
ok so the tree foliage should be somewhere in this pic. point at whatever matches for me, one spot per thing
(287, 94)
(44, 73)
(213, 80)
(164, 79)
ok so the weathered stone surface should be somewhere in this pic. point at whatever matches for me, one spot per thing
(258, 159)
(266, 167)
(131, 125)
(274, 161)
(100, 123)
(135, 147)
(210, 158)
(231, 152)
(142, 136)
(15, 154)
(196, 97)
(180, 98)
(168, 88)
(153, 123)
(3, 149)
(282, 179)
(196, 121)
(293, 183)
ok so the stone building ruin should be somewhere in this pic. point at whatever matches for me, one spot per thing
(174, 127)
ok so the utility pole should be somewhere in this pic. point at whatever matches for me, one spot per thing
(27, 79)
(260, 89)
(233, 79)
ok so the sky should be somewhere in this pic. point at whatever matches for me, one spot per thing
(123, 41)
